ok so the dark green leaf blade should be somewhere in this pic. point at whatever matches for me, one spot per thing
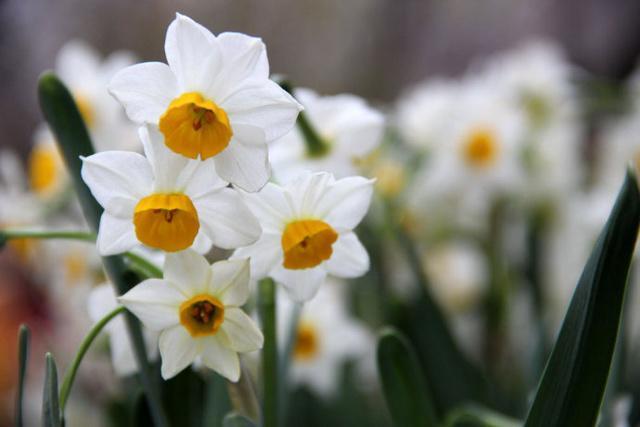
(23, 359)
(403, 383)
(236, 420)
(479, 416)
(571, 389)
(66, 123)
(50, 405)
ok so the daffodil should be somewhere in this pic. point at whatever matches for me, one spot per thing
(47, 174)
(213, 99)
(196, 309)
(326, 337)
(164, 201)
(101, 302)
(349, 129)
(308, 231)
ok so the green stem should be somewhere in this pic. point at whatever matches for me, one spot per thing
(9, 234)
(143, 265)
(70, 375)
(285, 357)
(269, 353)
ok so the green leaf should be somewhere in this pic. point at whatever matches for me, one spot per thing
(236, 420)
(571, 389)
(23, 359)
(216, 401)
(50, 406)
(478, 416)
(405, 391)
(62, 114)
(267, 310)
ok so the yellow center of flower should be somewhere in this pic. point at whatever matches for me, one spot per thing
(166, 221)
(86, 110)
(193, 125)
(75, 267)
(307, 342)
(306, 243)
(481, 148)
(44, 167)
(202, 315)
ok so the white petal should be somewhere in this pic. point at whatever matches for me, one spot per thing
(188, 270)
(244, 58)
(245, 164)
(263, 104)
(115, 235)
(102, 300)
(76, 63)
(272, 207)
(240, 331)
(193, 54)
(230, 281)
(145, 90)
(264, 255)
(221, 359)
(349, 259)
(155, 302)
(346, 202)
(226, 220)
(177, 349)
(301, 285)
(202, 244)
(114, 175)
(359, 132)
(166, 165)
(201, 179)
(122, 357)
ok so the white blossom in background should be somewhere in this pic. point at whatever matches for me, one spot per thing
(86, 75)
(349, 128)
(307, 231)
(326, 338)
(214, 99)
(537, 79)
(196, 310)
(48, 176)
(18, 206)
(165, 201)
(102, 301)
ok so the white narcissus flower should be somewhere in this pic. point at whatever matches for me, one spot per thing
(87, 75)
(326, 337)
(48, 176)
(308, 231)
(348, 127)
(102, 301)
(164, 201)
(213, 99)
(196, 309)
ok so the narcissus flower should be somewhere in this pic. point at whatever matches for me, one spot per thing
(196, 309)
(308, 231)
(213, 99)
(47, 174)
(348, 128)
(164, 201)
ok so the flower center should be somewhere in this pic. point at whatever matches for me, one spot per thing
(166, 221)
(306, 243)
(307, 345)
(202, 315)
(481, 148)
(86, 110)
(193, 125)
(44, 167)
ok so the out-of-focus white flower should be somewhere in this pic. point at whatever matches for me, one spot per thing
(86, 75)
(47, 173)
(348, 127)
(214, 99)
(196, 309)
(457, 274)
(164, 201)
(101, 302)
(424, 112)
(307, 231)
(327, 336)
(537, 79)
(17, 205)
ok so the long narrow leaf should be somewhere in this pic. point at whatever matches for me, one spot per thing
(50, 405)
(236, 420)
(573, 383)
(405, 391)
(65, 120)
(23, 359)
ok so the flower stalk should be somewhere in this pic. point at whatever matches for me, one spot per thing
(267, 307)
